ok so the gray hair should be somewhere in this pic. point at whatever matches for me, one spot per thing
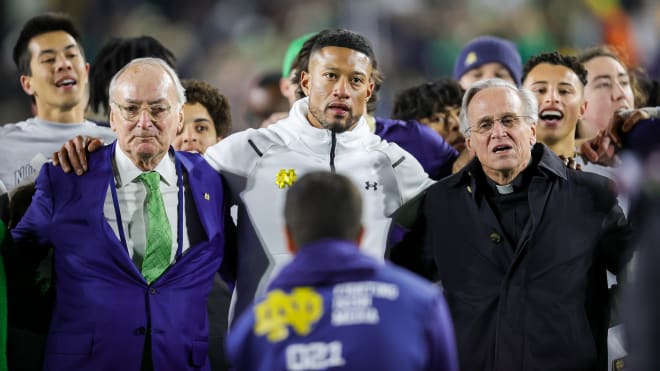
(180, 91)
(529, 103)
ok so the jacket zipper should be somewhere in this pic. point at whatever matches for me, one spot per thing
(332, 152)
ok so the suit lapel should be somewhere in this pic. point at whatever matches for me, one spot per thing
(95, 186)
(207, 200)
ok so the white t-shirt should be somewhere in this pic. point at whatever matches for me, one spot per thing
(26, 145)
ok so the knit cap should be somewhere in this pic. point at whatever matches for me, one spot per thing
(488, 49)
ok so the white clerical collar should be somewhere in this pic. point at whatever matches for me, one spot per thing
(126, 169)
(504, 189)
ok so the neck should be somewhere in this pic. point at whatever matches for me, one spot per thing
(74, 115)
(564, 147)
(504, 177)
(585, 131)
(371, 122)
(148, 164)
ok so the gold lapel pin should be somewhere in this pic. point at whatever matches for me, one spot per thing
(207, 196)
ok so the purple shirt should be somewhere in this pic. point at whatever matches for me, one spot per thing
(427, 146)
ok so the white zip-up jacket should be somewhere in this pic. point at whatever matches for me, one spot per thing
(259, 166)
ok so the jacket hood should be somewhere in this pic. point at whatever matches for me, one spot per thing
(325, 262)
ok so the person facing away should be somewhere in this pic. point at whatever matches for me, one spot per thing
(523, 264)
(325, 131)
(136, 240)
(50, 60)
(335, 308)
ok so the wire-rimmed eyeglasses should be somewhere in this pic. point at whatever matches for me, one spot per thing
(508, 121)
(131, 111)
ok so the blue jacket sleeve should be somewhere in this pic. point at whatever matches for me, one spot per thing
(441, 340)
(39, 213)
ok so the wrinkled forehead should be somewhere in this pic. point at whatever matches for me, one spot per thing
(145, 83)
(494, 102)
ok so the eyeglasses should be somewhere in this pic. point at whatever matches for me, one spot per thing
(131, 112)
(508, 121)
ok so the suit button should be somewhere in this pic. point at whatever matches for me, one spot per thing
(152, 291)
(142, 330)
(495, 237)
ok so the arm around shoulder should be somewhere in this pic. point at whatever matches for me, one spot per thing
(410, 176)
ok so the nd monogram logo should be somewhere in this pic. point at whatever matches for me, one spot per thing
(285, 178)
(279, 311)
(369, 186)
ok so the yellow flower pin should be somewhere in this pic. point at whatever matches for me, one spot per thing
(285, 178)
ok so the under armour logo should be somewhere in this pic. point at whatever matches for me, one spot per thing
(368, 186)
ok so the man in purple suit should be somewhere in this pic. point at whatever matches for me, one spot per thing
(136, 240)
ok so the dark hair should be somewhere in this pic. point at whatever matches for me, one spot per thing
(342, 38)
(557, 59)
(216, 104)
(41, 24)
(422, 101)
(323, 205)
(649, 87)
(609, 51)
(269, 79)
(114, 55)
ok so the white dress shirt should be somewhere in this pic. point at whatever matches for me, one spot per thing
(132, 193)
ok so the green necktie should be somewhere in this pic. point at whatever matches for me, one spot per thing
(159, 233)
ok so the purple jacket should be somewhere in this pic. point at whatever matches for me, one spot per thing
(103, 306)
(427, 146)
(335, 308)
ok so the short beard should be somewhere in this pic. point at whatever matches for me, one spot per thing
(335, 126)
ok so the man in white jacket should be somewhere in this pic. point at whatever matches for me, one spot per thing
(326, 131)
